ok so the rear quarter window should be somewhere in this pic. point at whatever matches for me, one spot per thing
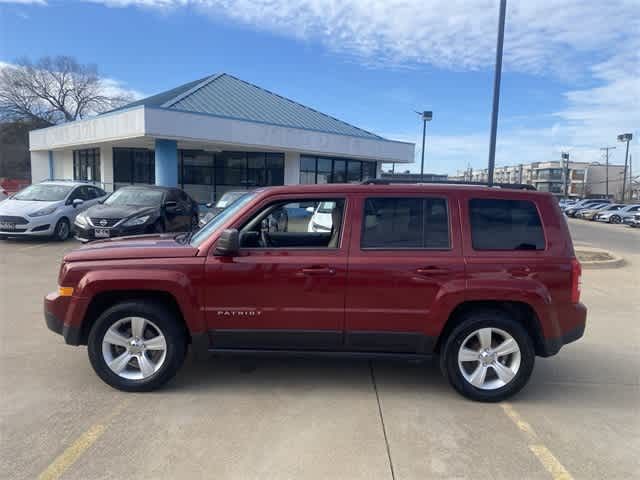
(498, 224)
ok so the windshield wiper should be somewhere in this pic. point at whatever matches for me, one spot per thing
(183, 237)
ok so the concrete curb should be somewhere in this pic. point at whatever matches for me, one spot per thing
(613, 262)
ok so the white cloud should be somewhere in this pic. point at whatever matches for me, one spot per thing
(542, 35)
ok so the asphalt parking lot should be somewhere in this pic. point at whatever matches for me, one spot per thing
(296, 418)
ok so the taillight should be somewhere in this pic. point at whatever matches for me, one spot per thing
(576, 280)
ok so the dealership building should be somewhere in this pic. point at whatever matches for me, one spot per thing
(210, 136)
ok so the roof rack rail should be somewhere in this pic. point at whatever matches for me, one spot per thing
(384, 181)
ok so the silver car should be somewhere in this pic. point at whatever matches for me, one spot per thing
(618, 216)
(47, 209)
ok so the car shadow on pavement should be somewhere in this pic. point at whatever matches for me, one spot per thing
(253, 373)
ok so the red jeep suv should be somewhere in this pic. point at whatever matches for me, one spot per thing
(485, 278)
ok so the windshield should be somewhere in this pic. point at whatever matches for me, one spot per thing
(228, 198)
(136, 197)
(44, 193)
(206, 231)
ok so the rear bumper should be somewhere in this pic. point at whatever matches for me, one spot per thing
(577, 318)
(55, 307)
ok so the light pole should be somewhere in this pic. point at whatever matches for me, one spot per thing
(606, 173)
(426, 117)
(565, 159)
(625, 137)
(496, 91)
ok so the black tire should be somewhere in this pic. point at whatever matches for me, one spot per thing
(62, 231)
(472, 322)
(615, 219)
(173, 331)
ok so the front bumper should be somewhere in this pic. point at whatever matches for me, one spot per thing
(87, 233)
(55, 309)
(32, 226)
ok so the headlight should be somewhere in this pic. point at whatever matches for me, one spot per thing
(319, 228)
(136, 221)
(82, 220)
(44, 211)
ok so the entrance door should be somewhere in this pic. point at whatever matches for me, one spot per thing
(285, 290)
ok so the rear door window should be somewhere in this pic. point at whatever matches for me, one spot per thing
(505, 225)
(396, 223)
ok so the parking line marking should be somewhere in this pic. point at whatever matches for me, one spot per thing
(542, 453)
(550, 462)
(67, 458)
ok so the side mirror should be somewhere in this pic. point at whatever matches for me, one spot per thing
(228, 244)
(208, 205)
(77, 202)
(171, 206)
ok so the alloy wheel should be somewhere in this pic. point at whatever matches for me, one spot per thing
(134, 348)
(489, 358)
(62, 230)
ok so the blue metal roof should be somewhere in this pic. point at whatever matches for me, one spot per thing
(227, 96)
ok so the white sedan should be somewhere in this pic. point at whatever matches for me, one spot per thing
(46, 209)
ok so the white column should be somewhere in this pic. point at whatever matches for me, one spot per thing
(291, 168)
(39, 165)
(106, 168)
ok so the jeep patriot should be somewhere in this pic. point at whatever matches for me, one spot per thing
(485, 278)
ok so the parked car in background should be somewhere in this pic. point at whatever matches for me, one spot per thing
(137, 210)
(47, 209)
(582, 204)
(634, 221)
(321, 219)
(618, 216)
(225, 200)
(590, 213)
(566, 202)
(485, 278)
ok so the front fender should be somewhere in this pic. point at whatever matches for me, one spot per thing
(175, 283)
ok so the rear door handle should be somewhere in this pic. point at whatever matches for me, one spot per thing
(433, 270)
(318, 271)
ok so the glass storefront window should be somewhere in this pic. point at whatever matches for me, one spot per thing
(86, 164)
(133, 165)
(328, 170)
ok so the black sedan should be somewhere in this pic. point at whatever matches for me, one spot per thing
(138, 210)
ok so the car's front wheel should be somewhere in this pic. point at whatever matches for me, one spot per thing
(488, 357)
(62, 230)
(615, 219)
(136, 346)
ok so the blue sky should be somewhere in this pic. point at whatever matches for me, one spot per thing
(571, 79)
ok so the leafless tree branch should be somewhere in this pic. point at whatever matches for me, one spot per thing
(54, 90)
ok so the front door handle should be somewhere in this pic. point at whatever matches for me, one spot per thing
(432, 270)
(318, 271)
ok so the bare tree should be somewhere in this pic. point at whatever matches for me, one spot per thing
(54, 90)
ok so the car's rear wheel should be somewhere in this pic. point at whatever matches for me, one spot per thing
(63, 230)
(136, 346)
(488, 357)
(615, 219)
